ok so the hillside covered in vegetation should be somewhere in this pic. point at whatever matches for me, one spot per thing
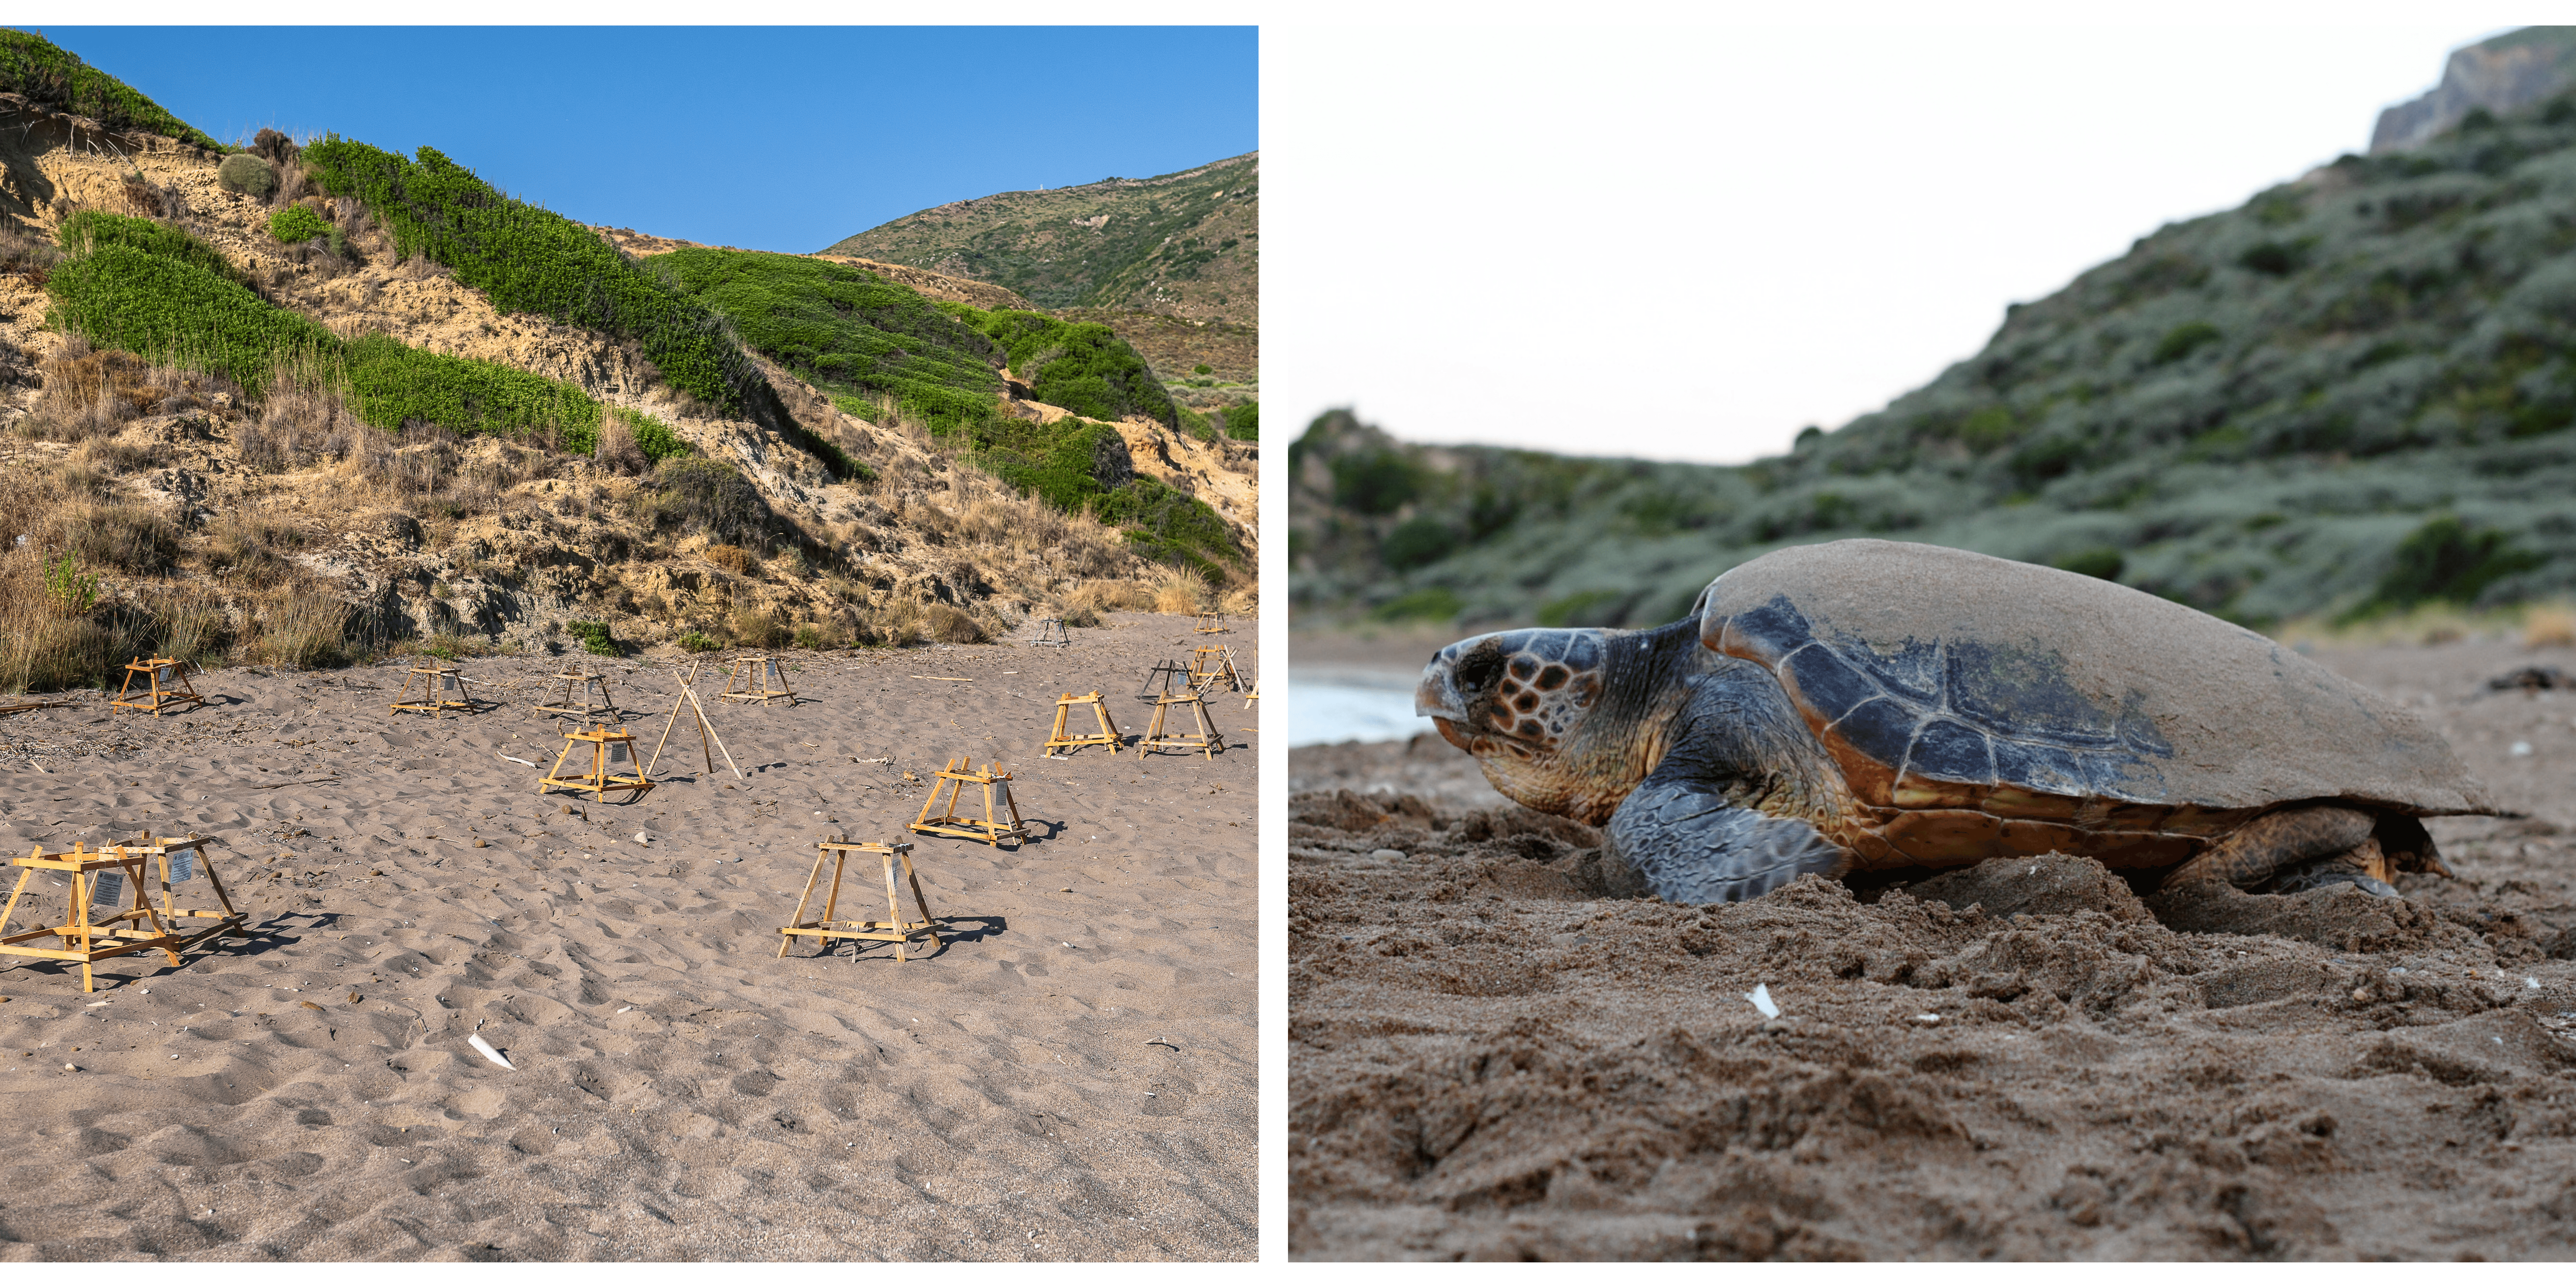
(2354, 393)
(304, 402)
(1187, 244)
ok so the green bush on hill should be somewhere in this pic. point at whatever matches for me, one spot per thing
(298, 223)
(528, 260)
(1064, 463)
(1169, 526)
(846, 330)
(47, 73)
(1082, 367)
(87, 230)
(1244, 422)
(153, 290)
(243, 172)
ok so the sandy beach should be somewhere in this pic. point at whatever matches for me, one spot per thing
(1073, 1077)
(1501, 1049)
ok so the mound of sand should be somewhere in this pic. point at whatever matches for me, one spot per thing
(1072, 1077)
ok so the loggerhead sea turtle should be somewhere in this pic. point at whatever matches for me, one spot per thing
(1865, 705)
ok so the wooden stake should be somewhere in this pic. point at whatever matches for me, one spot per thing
(706, 729)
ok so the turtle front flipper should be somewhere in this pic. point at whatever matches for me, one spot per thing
(1693, 847)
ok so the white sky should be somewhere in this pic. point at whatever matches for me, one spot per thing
(1686, 244)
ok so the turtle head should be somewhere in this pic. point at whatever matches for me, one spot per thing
(1519, 702)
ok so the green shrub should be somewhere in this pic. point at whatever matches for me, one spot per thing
(595, 638)
(391, 384)
(1202, 369)
(298, 223)
(72, 592)
(47, 73)
(1434, 603)
(1196, 425)
(1082, 367)
(2275, 259)
(2448, 560)
(87, 230)
(1243, 421)
(1417, 541)
(177, 311)
(815, 637)
(699, 642)
(1059, 463)
(658, 442)
(2104, 562)
(2182, 342)
(1376, 482)
(242, 172)
(1169, 526)
(1584, 608)
(847, 330)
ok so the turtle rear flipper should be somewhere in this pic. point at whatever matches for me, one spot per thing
(1693, 847)
(2294, 849)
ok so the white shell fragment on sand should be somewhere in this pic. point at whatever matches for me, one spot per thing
(529, 763)
(1928, 1017)
(2522, 749)
(643, 838)
(1761, 999)
(1387, 856)
(476, 1041)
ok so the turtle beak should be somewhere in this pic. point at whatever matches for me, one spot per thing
(1437, 695)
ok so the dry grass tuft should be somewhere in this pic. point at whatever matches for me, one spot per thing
(1243, 600)
(301, 628)
(130, 538)
(2549, 626)
(754, 629)
(733, 559)
(617, 452)
(951, 626)
(1178, 590)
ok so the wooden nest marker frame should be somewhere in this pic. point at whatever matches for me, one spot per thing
(896, 929)
(165, 685)
(601, 754)
(1061, 737)
(757, 679)
(1159, 737)
(990, 829)
(1211, 623)
(89, 938)
(442, 689)
(578, 684)
(1214, 664)
(1051, 634)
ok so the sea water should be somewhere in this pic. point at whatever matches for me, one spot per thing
(1346, 708)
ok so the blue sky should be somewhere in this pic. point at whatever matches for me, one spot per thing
(775, 138)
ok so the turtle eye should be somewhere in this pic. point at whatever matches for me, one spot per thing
(1478, 673)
